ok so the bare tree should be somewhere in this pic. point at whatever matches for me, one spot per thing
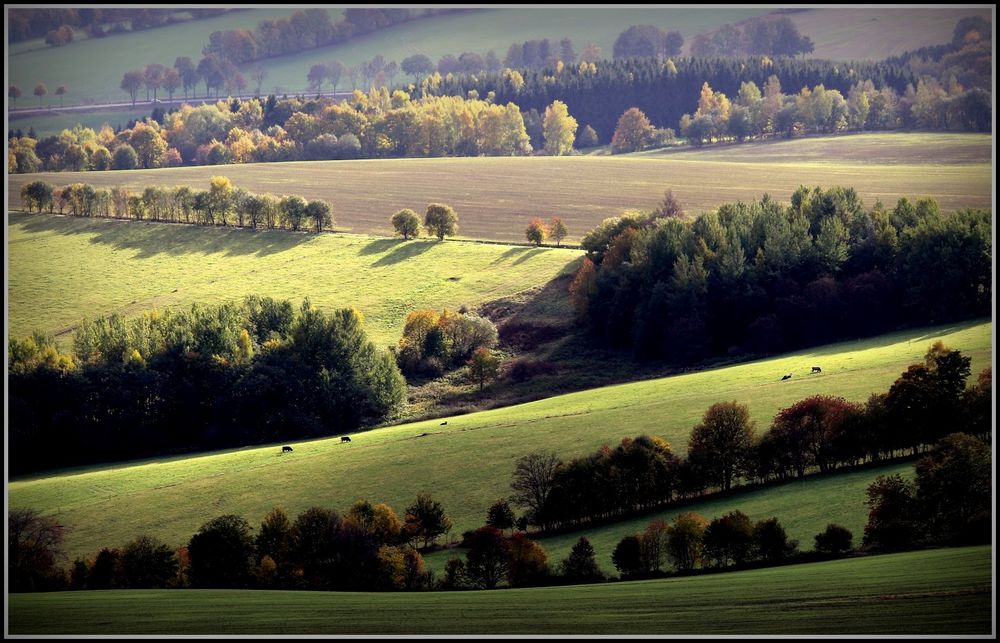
(533, 481)
(34, 544)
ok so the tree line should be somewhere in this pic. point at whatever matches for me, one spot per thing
(208, 377)
(367, 548)
(948, 504)
(58, 24)
(220, 205)
(761, 277)
(820, 433)
(307, 29)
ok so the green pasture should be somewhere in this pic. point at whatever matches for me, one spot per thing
(497, 197)
(940, 591)
(52, 123)
(62, 270)
(464, 461)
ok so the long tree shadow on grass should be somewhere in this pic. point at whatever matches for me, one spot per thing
(151, 238)
(402, 251)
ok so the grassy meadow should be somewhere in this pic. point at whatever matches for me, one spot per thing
(496, 197)
(940, 591)
(466, 463)
(63, 270)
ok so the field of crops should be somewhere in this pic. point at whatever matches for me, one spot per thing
(496, 198)
(467, 463)
(63, 270)
(941, 591)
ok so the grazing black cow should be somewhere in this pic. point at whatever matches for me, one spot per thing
(786, 377)
(286, 449)
(344, 438)
(443, 423)
(817, 369)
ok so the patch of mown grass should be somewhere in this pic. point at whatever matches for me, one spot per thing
(62, 270)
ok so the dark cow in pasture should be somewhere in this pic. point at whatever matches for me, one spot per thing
(344, 438)
(443, 423)
(286, 449)
(786, 377)
(817, 369)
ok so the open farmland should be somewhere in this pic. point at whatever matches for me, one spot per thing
(940, 591)
(63, 270)
(496, 198)
(171, 498)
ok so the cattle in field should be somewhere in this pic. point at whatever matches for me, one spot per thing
(817, 369)
(443, 423)
(786, 377)
(344, 438)
(286, 449)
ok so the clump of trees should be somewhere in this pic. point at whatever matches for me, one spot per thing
(538, 231)
(949, 502)
(775, 36)
(208, 377)
(434, 342)
(762, 277)
(647, 41)
(691, 541)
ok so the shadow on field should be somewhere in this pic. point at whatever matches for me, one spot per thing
(522, 254)
(151, 239)
(379, 246)
(404, 250)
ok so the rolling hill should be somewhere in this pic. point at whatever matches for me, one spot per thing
(467, 463)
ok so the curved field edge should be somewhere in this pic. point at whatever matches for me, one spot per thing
(465, 464)
(497, 197)
(62, 270)
(941, 591)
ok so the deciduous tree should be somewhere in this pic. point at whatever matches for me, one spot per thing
(441, 221)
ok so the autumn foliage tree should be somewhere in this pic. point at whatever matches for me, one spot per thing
(633, 133)
(536, 232)
(559, 128)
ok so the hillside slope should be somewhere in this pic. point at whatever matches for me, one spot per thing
(466, 463)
